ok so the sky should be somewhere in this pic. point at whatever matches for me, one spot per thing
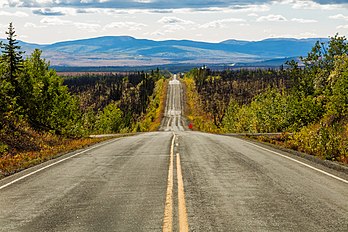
(49, 21)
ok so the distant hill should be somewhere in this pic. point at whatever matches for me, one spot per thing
(131, 52)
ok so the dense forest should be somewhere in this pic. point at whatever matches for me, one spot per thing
(42, 113)
(309, 99)
(112, 102)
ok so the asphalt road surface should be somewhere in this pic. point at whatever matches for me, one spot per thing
(176, 181)
(173, 120)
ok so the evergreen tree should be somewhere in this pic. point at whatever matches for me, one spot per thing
(7, 101)
(12, 55)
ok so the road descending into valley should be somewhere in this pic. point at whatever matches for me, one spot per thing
(175, 180)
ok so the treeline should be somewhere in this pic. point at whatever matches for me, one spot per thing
(217, 88)
(112, 103)
(309, 99)
(36, 103)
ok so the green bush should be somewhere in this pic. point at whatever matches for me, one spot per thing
(110, 120)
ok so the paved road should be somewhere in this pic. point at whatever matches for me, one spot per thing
(117, 187)
(173, 120)
(233, 185)
(176, 180)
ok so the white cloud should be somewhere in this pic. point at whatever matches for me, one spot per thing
(342, 27)
(137, 4)
(143, 1)
(297, 20)
(339, 16)
(32, 25)
(116, 11)
(307, 35)
(252, 8)
(155, 33)
(231, 9)
(54, 21)
(222, 23)
(173, 24)
(132, 26)
(173, 27)
(87, 1)
(45, 1)
(15, 14)
(90, 27)
(48, 12)
(57, 11)
(295, 35)
(245, 19)
(272, 18)
(3, 3)
(253, 15)
(311, 5)
(174, 20)
(88, 11)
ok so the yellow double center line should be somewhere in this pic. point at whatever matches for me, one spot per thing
(168, 210)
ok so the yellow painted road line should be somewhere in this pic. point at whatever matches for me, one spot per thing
(183, 224)
(168, 210)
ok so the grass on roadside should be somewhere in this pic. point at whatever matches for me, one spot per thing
(22, 147)
(12, 163)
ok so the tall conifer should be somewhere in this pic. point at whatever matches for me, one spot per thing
(12, 55)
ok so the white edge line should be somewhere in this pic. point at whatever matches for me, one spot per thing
(55, 163)
(304, 164)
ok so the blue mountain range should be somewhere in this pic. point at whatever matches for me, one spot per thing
(129, 51)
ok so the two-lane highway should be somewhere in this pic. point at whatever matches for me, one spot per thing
(176, 180)
(173, 120)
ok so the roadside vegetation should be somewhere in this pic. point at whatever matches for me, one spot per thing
(309, 99)
(43, 115)
(194, 109)
(118, 103)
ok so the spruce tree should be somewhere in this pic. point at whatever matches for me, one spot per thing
(12, 55)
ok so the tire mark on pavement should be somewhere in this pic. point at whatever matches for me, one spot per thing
(183, 224)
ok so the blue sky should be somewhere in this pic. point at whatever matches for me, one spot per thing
(47, 21)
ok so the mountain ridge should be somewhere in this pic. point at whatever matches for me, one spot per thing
(130, 51)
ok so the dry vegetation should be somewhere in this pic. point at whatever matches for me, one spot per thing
(29, 148)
